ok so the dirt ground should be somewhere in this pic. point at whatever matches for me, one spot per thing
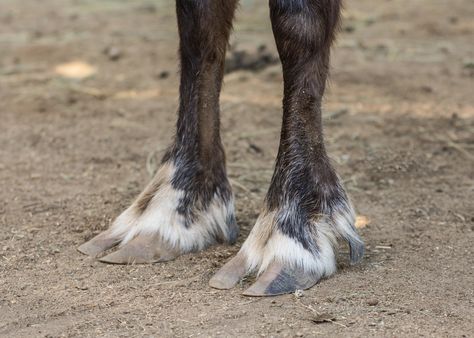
(399, 123)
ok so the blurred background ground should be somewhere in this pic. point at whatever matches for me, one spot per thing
(399, 121)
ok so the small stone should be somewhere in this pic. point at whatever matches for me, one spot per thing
(349, 29)
(426, 89)
(299, 293)
(469, 64)
(113, 53)
(372, 302)
(163, 74)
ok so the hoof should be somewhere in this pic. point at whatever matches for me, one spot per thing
(357, 250)
(280, 280)
(99, 244)
(143, 249)
(288, 263)
(230, 274)
(162, 223)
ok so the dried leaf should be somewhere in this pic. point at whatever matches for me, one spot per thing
(362, 222)
(75, 70)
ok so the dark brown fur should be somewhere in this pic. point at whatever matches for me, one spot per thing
(197, 152)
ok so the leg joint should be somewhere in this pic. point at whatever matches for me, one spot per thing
(309, 23)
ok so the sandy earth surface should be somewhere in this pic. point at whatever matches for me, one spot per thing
(73, 153)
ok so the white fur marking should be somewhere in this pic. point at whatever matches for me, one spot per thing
(161, 217)
(266, 243)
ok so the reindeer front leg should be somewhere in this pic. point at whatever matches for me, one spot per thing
(189, 203)
(292, 245)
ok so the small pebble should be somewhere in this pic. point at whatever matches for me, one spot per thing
(372, 302)
(299, 293)
(164, 74)
(113, 53)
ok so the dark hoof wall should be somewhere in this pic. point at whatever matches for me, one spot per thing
(279, 280)
(357, 250)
